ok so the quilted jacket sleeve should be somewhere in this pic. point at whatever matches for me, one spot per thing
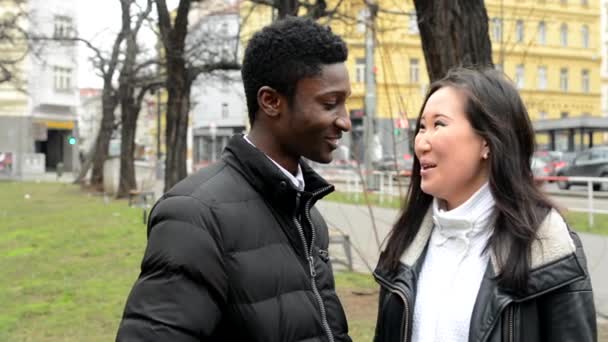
(182, 285)
(568, 314)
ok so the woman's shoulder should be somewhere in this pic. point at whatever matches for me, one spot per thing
(554, 240)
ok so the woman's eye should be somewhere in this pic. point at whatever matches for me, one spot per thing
(439, 123)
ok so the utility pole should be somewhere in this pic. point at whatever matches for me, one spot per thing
(370, 90)
(159, 166)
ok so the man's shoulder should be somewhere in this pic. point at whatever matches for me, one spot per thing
(215, 183)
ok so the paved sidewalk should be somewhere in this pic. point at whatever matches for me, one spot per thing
(355, 221)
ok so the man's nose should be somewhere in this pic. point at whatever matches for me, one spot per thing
(343, 122)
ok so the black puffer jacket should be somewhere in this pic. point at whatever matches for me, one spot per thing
(557, 305)
(226, 261)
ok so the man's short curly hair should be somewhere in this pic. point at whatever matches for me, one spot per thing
(283, 53)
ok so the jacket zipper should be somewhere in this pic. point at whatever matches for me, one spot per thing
(308, 252)
(510, 320)
(406, 307)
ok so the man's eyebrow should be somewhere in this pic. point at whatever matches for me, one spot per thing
(336, 92)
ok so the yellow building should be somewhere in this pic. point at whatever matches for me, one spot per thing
(548, 48)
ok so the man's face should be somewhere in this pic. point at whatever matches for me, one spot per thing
(312, 126)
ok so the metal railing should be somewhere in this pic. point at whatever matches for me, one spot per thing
(589, 181)
(388, 184)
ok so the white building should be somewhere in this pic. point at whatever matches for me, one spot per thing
(218, 103)
(38, 121)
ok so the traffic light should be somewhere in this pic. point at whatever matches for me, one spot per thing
(72, 140)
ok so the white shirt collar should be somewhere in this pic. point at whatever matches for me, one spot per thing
(297, 180)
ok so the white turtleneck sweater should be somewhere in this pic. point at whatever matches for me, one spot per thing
(453, 269)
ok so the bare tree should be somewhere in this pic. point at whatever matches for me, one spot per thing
(453, 33)
(181, 73)
(130, 95)
(107, 67)
(14, 42)
(315, 9)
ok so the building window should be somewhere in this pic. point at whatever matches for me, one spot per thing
(542, 77)
(542, 115)
(564, 2)
(224, 110)
(563, 79)
(585, 36)
(224, 30)
(64, 27)
(585, 81)
(519, 76)
(62, 78)
(414, 70)
(542, 33)
(360, 70)
(413, 23)
(497, 29)
(584, 2)
(564, 115)
(563, 34)
(519, 31)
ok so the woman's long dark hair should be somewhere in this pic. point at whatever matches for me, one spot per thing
(497, 113)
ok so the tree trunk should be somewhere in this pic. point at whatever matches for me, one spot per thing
(287, 8)
(453, 33)
(102, 143)
(178, 106)
(129, 114)
(178, 88)
(130, 104)
(86, 166)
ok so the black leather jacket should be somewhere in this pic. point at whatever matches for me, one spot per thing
(556, 306)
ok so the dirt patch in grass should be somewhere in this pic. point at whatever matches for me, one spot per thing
(361, 308)
(602, 331)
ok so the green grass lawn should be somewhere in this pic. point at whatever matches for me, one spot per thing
(69, 259)
(577, 220)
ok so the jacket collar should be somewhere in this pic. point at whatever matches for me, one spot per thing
(554, 243)
(266, 177)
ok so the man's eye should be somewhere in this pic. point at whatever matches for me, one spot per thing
(329, 106)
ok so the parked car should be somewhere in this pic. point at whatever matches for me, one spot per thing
(564, 160)
(540, 168)
(592, 162)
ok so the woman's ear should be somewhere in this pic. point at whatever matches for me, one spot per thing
(485, 151)
(269, 101)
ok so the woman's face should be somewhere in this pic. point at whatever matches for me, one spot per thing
(452, 156)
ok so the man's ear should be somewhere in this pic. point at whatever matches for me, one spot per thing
(269, 101)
